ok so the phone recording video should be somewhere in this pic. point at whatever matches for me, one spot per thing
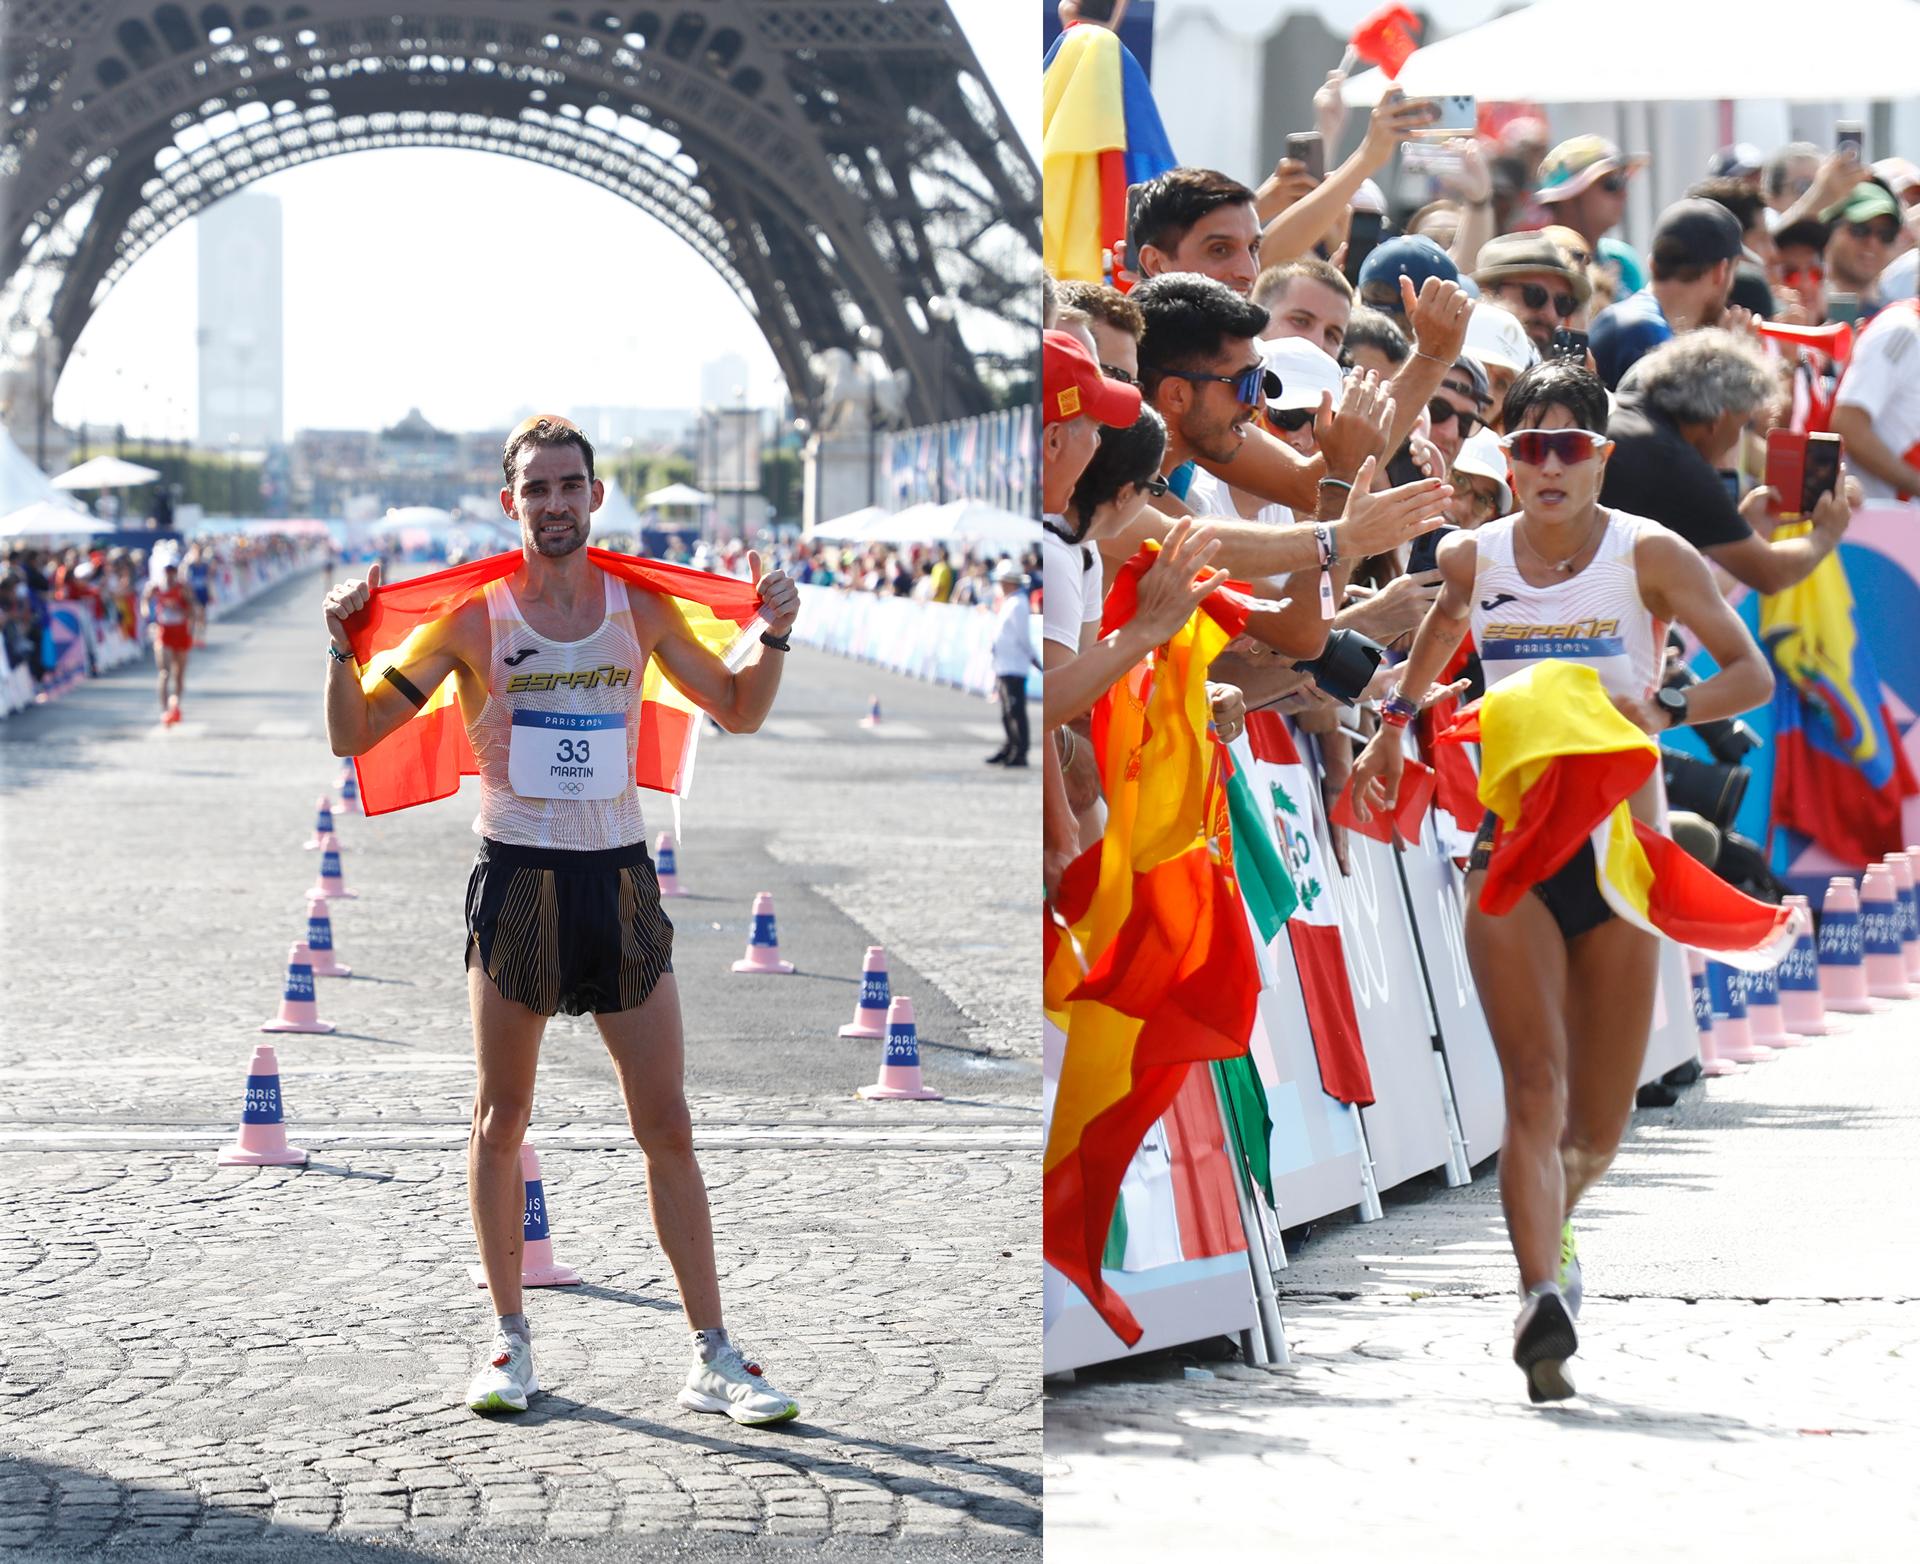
(1306, 147)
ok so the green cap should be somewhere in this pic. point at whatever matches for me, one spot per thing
(1863, 204)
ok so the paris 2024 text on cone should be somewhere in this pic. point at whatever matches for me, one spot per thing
(322, 825)
(330, 884)
(262, 1141)
(763, 945)
(1710, 1061)
(1843, 968)
(298, 1012)
(326, 960)
(1798, 980)
(666, 863)
(870, 1009)
(900, 1061)
(538, 1268)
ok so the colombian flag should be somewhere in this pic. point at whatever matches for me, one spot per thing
(1099, 133)
(426, 757)
(1153, 927)
(1839, 770)
(1557, 765)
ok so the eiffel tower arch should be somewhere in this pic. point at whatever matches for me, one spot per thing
(840, 163)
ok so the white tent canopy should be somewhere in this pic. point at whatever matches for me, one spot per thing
(1564, 51)
(850, 528)
(105, 472)
(21, 482)
(50, 519)
(957, 522)
(616, 512)
(674, 494)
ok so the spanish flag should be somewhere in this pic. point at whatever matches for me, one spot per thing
(1150, 965)
(426, 757)
(1558, 763)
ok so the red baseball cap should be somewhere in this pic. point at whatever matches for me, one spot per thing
(1073, 386)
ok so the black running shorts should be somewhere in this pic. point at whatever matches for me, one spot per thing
(1571, 892)
(579, 932)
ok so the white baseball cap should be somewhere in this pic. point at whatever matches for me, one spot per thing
(1305, 372)
(1495, 336)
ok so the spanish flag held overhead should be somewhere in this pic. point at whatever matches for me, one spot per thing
(1558, 763)
(1154, 968)
(425, 758)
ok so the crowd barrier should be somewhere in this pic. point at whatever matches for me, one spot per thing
(85, 646)
(941, 642)
(1388, 937)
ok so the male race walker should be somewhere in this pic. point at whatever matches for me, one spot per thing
(563, 908)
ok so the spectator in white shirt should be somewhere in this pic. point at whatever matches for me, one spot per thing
(1877, 408)
(1012, 657)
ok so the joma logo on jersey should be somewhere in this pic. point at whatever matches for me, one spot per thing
(585, 679)
(1579, 630)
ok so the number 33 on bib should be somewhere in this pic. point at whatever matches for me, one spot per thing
(561, 754)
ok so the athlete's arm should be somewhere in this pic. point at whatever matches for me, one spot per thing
(362, 711)
(739, 702)
(1676, 585)
(1376, 774)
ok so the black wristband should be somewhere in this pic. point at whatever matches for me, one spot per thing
(779, 643)
(406, 687)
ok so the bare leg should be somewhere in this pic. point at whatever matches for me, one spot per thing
(180, 675)
(649, 1053)
(1612, 972)
(163, 662)
(506, 1046)
(1519, 963)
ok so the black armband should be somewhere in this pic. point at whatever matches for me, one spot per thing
(405, 686)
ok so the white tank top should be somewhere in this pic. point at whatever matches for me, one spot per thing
(526, 671)
(1594, 616)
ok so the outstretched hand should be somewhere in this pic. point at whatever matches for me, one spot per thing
(779, 597)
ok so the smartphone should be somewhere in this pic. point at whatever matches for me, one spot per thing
(1423, 553)
(1820, 473)
(1568, 343)
(1363, 233)
(1306, 147)
(1786, 469)
(1843, 307)
(1454, 116)
(1850, 133)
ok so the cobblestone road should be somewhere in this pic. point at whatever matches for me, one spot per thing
(1749, 1362)
(197, 1356)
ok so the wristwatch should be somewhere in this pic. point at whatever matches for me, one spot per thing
(1674, 703)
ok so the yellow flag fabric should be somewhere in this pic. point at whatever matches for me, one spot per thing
(1082, 114)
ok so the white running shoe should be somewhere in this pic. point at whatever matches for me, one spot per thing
(732, 1385)
(506, 1379)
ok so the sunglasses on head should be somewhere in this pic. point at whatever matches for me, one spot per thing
(1886, 232)
(1536, 297)
(1566, 446)
(1440, 410)
(1291, 419)
(1252, 385)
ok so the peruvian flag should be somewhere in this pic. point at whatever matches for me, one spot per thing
(1281, 780)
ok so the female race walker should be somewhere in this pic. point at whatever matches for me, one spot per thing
(1567, 986)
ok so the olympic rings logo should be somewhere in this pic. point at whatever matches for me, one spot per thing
(568, 785)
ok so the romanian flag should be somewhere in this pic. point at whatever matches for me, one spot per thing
(1840, 773)
(1558, 764)
(425, 758)
(1099, 133)
(1152, 918)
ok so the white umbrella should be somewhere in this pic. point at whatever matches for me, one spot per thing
(852, 527)
(674, 494)
(406, 517)
(1659, 51)
(105, 472)
(916, 524)
(975, 521)
(45, 518)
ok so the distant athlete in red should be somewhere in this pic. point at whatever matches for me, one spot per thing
(171, 612)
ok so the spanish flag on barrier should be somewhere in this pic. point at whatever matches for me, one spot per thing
(1149, 963)
(426, 757)
(1840, 773)
(1100, 132)
(1557, 765)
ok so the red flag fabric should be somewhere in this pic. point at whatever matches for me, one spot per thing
(1387, 38)
(1416, 792)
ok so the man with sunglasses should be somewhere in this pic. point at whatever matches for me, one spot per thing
(1696, 246)
(1532, 276)
(1458, 408)
(1864, 231)
(1567, 985)
(1583, 183)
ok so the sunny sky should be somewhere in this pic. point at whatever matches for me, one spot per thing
(398, 275)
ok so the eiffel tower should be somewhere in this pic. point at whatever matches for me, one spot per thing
(841, 163)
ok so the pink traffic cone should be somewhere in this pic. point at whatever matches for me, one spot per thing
(298, 1012)
(326, 962)
(330, 886)
(1902, 866)
(666, 866)
(763, 946)
(538, 1268)
(1798, 981)
(1764, 1016)
(870, 1009)
(1886, 966)
(322, 824)
(900, 1064)
(872, 718)
(1710, 1061)
(349, 790)
(262, 1141)
(1732, 1036)
(1843, 972)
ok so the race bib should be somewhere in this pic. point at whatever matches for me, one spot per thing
(563, 754)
